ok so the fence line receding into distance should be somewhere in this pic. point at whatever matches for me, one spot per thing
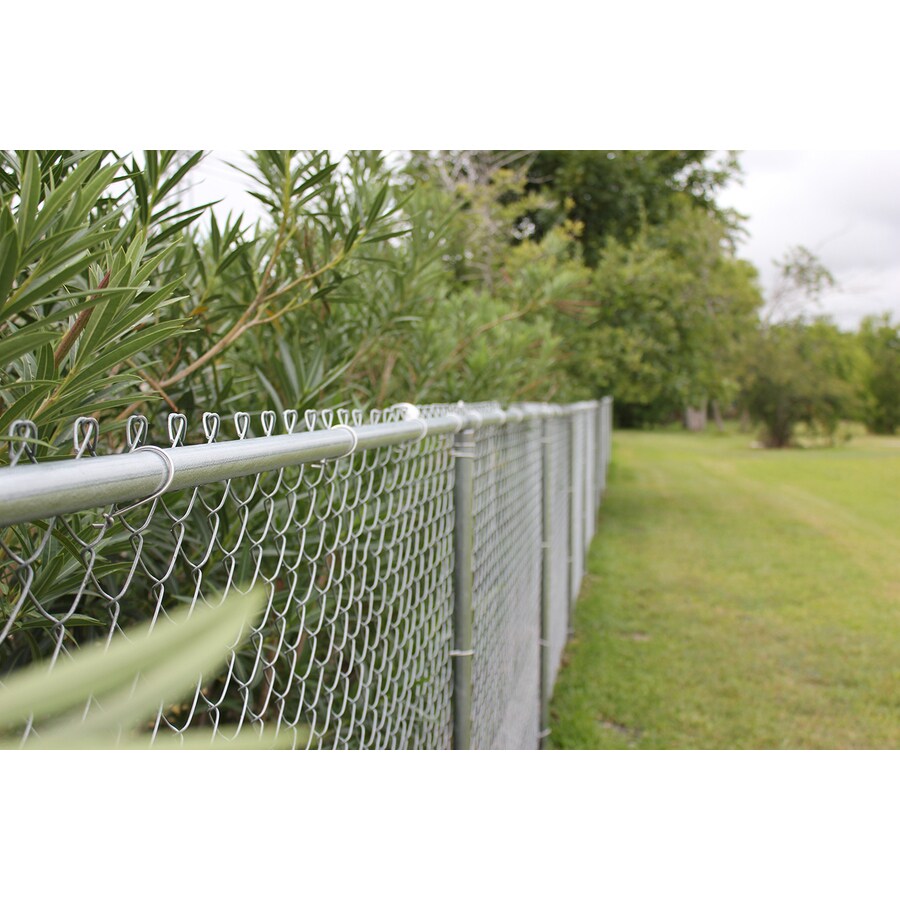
(420, 565)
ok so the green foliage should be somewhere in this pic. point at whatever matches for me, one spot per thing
(326, 218)
(508, 275)
(798, 372)
(665, 320)
(84, 240)
(103, 695)
(111, 296)
(449, 274)
(367, 281)
(615, 193)
(462, 304)
(880, 340)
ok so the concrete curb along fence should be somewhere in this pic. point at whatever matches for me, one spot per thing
(422, 567)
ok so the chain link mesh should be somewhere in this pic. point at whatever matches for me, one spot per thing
(588, 455)
(356, 556)
(506, 587)
(576, 529)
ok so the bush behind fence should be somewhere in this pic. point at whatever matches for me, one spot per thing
(420, 565)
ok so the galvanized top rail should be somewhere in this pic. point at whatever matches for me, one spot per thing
(29, 493)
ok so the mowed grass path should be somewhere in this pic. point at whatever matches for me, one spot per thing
(738, 598)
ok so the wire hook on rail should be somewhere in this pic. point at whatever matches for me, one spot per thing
(170, 477)
(354, 438)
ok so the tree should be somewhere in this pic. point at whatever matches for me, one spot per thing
(799, 369)
(880, 339)
(718, 307)
(799, 372)
(485, 324)
(662, 326)
(801, 280)
(615, 193)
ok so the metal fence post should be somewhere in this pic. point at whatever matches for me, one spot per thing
(588, 480)
(463, 545)
(598, 457)
(573, 466)
(546, 580)
(607, 429)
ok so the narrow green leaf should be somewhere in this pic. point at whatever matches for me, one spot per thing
(30, 197)
(65, 409)
(43, 286)
(376, 238)
(64, 191)
(320, 176)
(170, 659)
(74, 621)
(195, 739)
(128, 347)
(377, 204)
(9, 257)
(92, 191)
(24, 407)
(350, 239)
(177, 177)
(46, 370)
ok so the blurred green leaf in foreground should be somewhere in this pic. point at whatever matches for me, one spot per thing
(101, 696)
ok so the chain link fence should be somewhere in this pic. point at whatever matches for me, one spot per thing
(420, 565)
(506, 588)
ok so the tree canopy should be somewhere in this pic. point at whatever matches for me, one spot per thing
(514, 275)
(614, 193)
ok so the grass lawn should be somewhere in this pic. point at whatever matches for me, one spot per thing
(738, 598)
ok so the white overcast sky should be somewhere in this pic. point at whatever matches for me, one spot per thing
(842, 205)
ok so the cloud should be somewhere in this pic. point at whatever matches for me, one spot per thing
(844, 206)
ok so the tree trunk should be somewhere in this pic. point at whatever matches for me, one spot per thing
(695, 418)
